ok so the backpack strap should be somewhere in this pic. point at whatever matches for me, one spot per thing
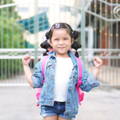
(80, 92)
(44, 61)
(79, 62)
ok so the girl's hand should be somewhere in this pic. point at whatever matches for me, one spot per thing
(97, 62)
(26, 60)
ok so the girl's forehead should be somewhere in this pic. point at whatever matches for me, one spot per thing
(62, 30)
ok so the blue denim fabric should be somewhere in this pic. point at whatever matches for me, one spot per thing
(47, 93)
(57, 109)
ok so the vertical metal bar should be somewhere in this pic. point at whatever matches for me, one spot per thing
(95, 25)
(100, 27)
(112, 46)
(36, 28)
(83, 33)
(106, 36)
(117, 46)
(2, 37)
(12, 46)
(8, 43)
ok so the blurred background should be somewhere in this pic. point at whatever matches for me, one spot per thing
(23, 24)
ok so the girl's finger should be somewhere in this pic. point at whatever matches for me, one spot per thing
(98, 62)
(105, 53)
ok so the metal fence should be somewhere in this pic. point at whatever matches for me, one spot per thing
(24, 23)
(103, 17)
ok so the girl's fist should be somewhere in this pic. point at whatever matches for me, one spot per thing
(26, 60)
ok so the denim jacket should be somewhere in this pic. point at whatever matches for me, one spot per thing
(47, 93)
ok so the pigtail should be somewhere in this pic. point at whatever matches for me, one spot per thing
(47, 35)
(46, 46)
(76, 45)
(75, 34)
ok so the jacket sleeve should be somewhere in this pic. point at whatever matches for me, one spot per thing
(37, 76)
(88, 80)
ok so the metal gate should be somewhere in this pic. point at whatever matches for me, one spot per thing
(24, 23)
(103, 18)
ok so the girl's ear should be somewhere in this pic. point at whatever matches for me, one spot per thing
(72, 40)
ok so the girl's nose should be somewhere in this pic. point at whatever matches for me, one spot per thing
(61, 41)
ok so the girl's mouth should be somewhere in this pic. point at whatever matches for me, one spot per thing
(61, 47)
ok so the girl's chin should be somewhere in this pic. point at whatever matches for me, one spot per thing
(62, 54)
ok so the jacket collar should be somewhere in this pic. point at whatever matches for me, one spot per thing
(70, 53)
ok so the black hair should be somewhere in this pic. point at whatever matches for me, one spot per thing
(76, 45)
(72, 33)
(45, 45)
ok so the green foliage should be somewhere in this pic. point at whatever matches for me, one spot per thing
(10, 68)
(8, 11)
(2, 2)
(11, 36)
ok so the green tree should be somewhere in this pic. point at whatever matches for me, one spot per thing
(9, 11)
(11, 36)
(11, 33)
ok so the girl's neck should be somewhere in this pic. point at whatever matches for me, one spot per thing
(62, 56)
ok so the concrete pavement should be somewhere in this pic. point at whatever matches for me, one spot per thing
(18, 103)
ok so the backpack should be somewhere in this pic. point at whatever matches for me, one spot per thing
(80, 92)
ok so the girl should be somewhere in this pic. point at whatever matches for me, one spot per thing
(59, 98)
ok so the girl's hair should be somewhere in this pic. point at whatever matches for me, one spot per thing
(72, 33)
(76, 45)
(46, 46)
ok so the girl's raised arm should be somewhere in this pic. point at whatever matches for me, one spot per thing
(28, 74)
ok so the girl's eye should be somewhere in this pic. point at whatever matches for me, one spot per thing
(56, 39)
(65, 38)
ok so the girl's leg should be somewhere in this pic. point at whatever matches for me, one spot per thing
(60, 118)
(51, 118)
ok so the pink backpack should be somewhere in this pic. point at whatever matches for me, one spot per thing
(80, 92)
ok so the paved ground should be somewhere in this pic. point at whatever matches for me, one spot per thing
(18, 103)
(110, 75)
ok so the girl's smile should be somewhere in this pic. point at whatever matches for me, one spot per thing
(61, 42)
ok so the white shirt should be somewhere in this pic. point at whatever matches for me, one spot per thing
(63, 71)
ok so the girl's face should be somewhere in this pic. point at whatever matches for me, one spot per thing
(61, 42)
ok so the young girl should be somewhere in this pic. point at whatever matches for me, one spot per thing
(59, 98)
